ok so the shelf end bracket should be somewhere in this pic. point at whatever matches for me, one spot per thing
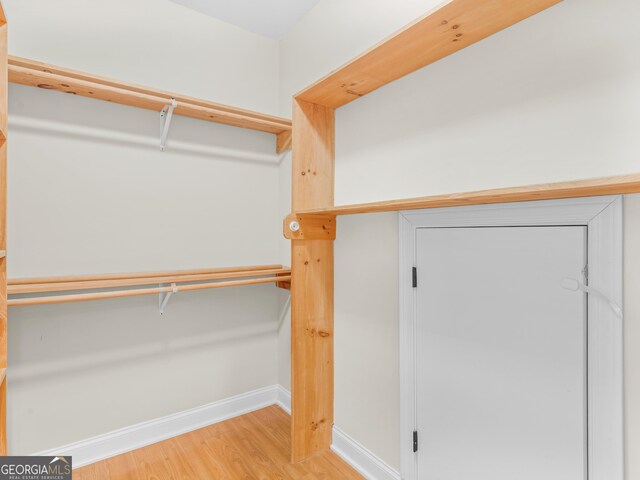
(165, 121)
(163, 298)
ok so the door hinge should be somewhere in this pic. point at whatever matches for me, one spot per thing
(415, 441)
(414, 276)
(585, 272)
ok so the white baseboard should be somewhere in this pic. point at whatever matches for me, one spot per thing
(364, 461)
(130, 438)
(284, 399)
(136, 436)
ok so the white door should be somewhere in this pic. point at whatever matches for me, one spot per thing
(500, 354)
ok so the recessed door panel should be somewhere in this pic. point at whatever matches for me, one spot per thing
(501, 354)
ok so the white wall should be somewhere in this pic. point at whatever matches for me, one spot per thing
(156, 43)
(552, 98)
(367, 360)
(90, 192)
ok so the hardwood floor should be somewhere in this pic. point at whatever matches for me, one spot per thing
(255, 446)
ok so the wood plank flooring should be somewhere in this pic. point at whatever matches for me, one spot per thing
(255, 446)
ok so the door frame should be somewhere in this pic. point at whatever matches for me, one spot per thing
(603, 217)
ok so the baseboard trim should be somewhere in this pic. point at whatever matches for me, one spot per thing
(126, 439)
(284, 399)
(364, 461)
(130, 438)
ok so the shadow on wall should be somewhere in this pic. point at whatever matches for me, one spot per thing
(509, 71)
(537, 102)
(105, 123)
(58, 340)
(89, 193)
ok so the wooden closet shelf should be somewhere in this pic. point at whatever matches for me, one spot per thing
(50, 77)
(227, 277)
(622, 184)
(450, 27)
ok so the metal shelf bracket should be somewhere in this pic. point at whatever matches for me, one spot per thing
(163, 298)
(165, 121)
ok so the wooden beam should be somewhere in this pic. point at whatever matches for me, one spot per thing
(50, 77)
(621, 184)
(313, 168)
(83, 297)
(450, 27)
(3, 228)
(312, 285)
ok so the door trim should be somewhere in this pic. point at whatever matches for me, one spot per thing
(603, 216)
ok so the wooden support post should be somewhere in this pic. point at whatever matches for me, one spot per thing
(3, 230)
(312, 285)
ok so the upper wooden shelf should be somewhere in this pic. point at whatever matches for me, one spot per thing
(546, 191)
(448, 28)
(42, 75)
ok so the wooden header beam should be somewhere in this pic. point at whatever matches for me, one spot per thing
(443, 31)
(50, 77)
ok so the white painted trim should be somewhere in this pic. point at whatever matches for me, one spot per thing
(363, 460)
(606, 359)
(407, 332)
(603, 217)
(284, 399)
(136, 436)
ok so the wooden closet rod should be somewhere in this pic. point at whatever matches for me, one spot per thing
(141, 291)
(130, 282)
(118, 276)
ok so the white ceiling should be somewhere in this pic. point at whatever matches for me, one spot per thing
(273, 18)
